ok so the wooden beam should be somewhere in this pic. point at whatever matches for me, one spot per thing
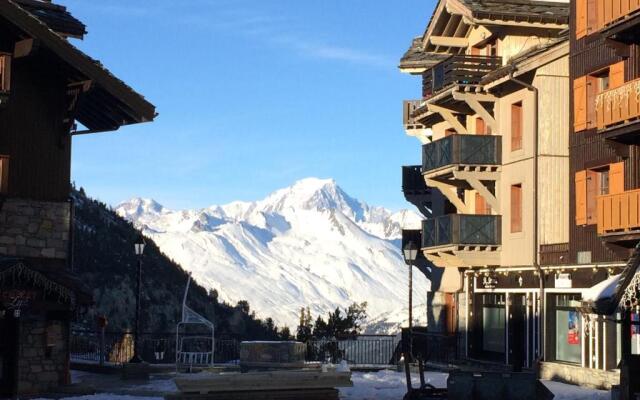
(26, 47)
(449, 41)
(473, 100)
(477, 185)
(448, 116)
(451, 193)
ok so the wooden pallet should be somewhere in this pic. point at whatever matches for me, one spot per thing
(306, 394)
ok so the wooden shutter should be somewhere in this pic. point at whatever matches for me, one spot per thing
(581, 197)
(475, 51)
(616, 178)
(516, 208)
(616, 75)
(580, 104)
(4, 174)
(481, 127)
(592, 16)
(593, 190)
(482, 208)
(516, 126)
(592, 91)
(449, 132)
(5, 73)
(581, 18)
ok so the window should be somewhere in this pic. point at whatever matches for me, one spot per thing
(5, 72)
(482, 207)
(568, 329)
(587, 88)
(592, 183)
(4, 174)
(516, 126)
(516, 208)
(493, 323)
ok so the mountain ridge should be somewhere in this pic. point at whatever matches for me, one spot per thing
(310, 244)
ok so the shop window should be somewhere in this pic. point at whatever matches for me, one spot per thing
(4, 174)
(568, 329)
(516, 208)
(516, 126)
(493, 323)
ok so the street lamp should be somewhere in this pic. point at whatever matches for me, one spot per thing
(139, 251)
(410, 252)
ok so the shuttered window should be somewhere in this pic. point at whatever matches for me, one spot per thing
(616, 75)
(593, 190)
(5, 72)
(580, 104)
(581, 18)
(516, 126)
(516, 208)
(581, 197)
(4, 174)
(616, 178)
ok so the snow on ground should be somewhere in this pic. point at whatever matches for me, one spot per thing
(383, 385)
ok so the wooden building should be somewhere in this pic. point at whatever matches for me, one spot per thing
(49, 92)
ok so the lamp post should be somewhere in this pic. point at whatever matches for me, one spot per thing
(139, 250)
(410, 253)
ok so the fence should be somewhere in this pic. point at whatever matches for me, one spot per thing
(157, 348)
(160, 348)
(359, 350)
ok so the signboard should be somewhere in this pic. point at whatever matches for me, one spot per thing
(563, 281)
(573, 335)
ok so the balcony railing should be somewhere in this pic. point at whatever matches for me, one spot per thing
(462, 149)
(461, 229)
(619, 212)
(615, 106)
(408, 108)
(412, 180)
(611, 12)
(459, 69)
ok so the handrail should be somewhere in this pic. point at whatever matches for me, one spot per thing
(617, 105)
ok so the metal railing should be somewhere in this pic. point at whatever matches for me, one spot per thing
(433, 347)
(461, 229)
(155, 348)
(459, 69)
(462, 150)
(358, 350)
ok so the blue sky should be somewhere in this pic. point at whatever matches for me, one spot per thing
(252, 95)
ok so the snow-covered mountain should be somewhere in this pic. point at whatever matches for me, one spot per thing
(310, 244)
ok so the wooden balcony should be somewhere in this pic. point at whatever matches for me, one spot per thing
(458, 240)
(619, 213)
(616, 107)
(618, 19)
(458, 70)
(469, 151)
(408, 109)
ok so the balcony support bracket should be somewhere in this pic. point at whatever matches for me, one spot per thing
(451, 193)
(476, 184)
(473, 100)
(448, 115)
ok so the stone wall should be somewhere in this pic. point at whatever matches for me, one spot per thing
(593, 378)
(43, 355)
(34, 228)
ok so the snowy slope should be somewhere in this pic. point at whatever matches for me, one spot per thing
(310, 244)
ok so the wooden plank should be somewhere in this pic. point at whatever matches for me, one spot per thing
(581, 197)
(581, 18)
(616, 178)
(580, 103)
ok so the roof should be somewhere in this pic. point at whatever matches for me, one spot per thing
(60, 284)
(55, 16)
(416, 57)
(519, 10)
(606, 300)
(528, 54)
(109, 103)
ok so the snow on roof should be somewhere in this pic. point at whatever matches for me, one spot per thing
(603, 290)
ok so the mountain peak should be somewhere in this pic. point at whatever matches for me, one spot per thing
(138, 206)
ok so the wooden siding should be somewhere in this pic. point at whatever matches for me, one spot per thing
(32, 132)
(588, 149)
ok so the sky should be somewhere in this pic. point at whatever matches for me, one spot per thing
(252, 96)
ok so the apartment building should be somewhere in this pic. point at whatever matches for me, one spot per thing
(49, 92)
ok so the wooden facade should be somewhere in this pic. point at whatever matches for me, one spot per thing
(47, 88)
